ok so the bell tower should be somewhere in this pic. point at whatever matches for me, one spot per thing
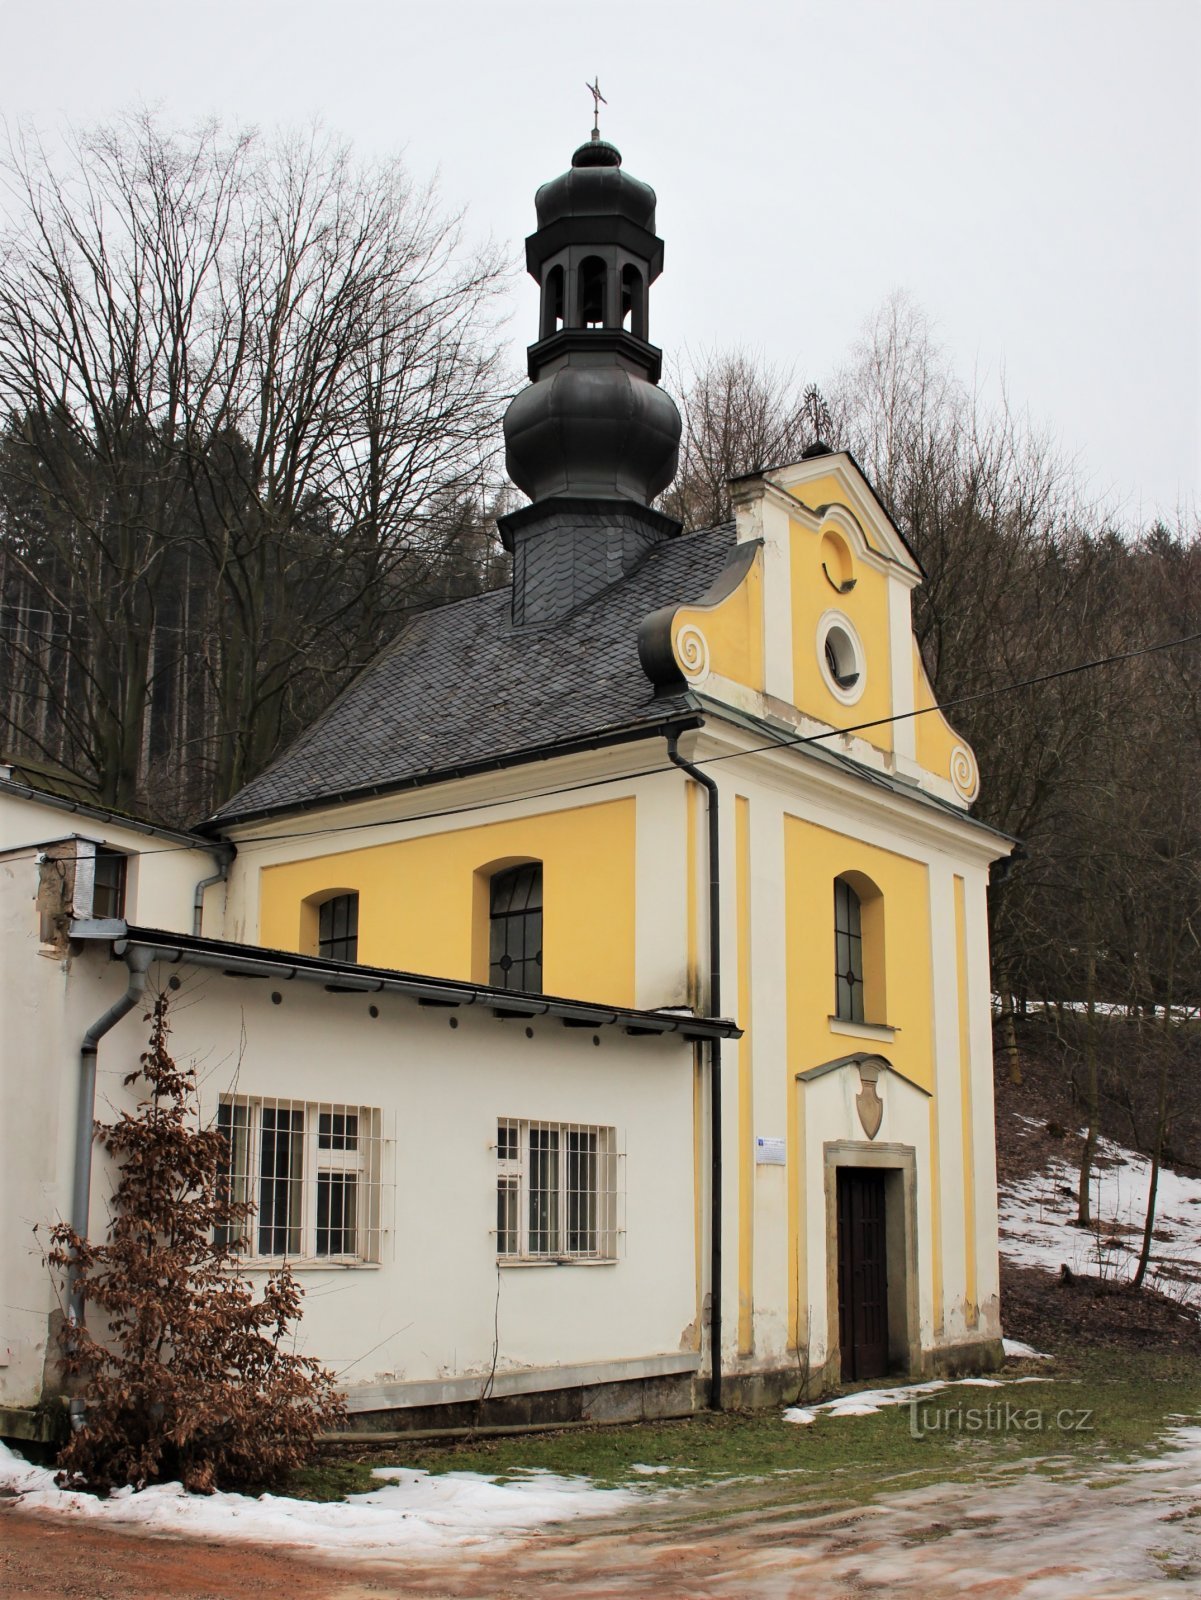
(593, 439)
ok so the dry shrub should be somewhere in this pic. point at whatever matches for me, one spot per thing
(193, 1378)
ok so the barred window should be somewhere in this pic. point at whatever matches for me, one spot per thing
(311, 1173)
(515, 929)
(556, 1191)
(338, 928)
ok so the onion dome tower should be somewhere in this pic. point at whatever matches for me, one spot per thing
(593, 439)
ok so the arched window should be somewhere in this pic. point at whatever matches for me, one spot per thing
(515, 928)
(552, 302)
(633, 301)
(848, 954)
(592, 292)
(338, 928)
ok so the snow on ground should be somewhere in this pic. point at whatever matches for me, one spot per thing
(1017, 1351)
(867, 1402)
(409, 1509)
(1036, 1221)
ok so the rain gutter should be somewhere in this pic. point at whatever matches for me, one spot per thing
(715, 1120)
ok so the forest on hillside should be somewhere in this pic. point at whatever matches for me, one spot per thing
(250, 402)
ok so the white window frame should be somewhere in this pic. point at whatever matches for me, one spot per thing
(364, 1162)
(548, 1242)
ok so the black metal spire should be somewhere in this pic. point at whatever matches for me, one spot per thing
(593, 439)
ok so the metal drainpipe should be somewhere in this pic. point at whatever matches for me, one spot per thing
(138, 961)
(715, 1179)
(225, 854)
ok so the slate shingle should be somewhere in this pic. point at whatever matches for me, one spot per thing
(461, 686)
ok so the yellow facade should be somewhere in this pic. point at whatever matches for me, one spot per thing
(898, 994)
(827, 576)
(423, 902)
(424, 907)
(897, 959)
(730, 631)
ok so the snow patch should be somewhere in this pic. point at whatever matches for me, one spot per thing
(1024, 1352)
(410, 1509)
(1036, 1221)
(867, 1402)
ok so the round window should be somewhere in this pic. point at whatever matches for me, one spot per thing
(841, 657)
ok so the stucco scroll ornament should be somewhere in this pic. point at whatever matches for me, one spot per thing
(965, 779)
(868, 1102)
(692, 652)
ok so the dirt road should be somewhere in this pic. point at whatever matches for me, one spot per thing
(1116, 1532)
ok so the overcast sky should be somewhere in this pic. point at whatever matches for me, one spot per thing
(1029, 172)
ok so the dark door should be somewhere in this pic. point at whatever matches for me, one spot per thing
(862, 1274)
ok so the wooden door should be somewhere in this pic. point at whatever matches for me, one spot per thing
(862, 1274)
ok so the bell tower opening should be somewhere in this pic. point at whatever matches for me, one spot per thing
(633, 301)
(593, 439)
(593, 278)
(552, 303)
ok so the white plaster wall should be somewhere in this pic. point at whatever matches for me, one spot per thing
(988, 1280)
(163, 870)
(830, 1114)
(427, 1310)
(35, 1116)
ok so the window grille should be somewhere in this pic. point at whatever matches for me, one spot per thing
(848, 953)
(515, 929)
(338, 928)
(313, 1173)
(557, 1193)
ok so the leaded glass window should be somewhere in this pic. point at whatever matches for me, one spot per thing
(338, 928)
(515, 951)
(848, 953)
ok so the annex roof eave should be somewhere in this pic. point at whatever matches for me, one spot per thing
(348, 977)
(652, 728)
(117, 819)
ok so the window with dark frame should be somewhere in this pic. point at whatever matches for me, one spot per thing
(338, 928)
(108, 890)
(848, 953)
(515, 929)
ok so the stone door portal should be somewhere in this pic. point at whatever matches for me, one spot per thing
(862, 1274)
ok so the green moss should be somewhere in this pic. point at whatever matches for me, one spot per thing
(331, 1480)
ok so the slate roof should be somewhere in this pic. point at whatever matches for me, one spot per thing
(462, 688)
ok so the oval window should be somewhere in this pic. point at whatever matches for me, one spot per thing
(841, 657)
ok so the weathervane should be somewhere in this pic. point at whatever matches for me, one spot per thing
(598, 100)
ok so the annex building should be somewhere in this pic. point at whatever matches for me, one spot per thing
(596, 998)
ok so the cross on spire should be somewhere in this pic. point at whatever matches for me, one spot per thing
(598, 100)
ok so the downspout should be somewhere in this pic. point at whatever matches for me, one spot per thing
(715, 1176)
(224, 855)
(138, 961)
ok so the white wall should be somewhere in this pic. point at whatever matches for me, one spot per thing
(163, 870)
(427, 1311)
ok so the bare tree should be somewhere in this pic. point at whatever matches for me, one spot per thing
(243, 383)
(739, 416)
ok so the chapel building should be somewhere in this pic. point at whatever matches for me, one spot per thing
(596, 998)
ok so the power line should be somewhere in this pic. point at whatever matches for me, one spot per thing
(783, 741)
